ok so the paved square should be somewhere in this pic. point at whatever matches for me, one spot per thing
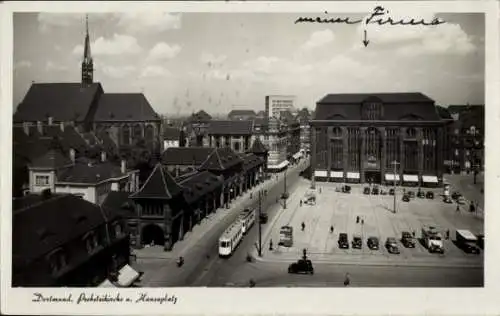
(340, 210)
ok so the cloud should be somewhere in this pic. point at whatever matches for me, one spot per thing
(150, 20)
(47, 21)
(117, 72)
(318, 39)
(22, 64)
(155, 71)
(118, 45)
(212, 60)
(163, 50)
(447, 38)
(51, 66)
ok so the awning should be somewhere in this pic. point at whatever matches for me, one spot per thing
(353, 175)
(127, 276)
(336, 174)
(390, 177)
(106, 283)
(297, 155)
(430, 179)
(320, 173)
(283, 164)
(410, 178)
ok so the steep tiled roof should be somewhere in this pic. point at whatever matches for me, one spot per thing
(62, 101)
(229, 127)
(46, 226)
(221, 159)
(200, 184)
(159, 185)
(119, 201)
(185, 155)
(171, 133)
(124, 107)
(397, 106)
(52, 159)
(250, 161)
(258, 147)
(89, 173)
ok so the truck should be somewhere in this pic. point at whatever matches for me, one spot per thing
(467, 241)
(433, 239)
(286, 236)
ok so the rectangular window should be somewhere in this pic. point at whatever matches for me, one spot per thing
(42, 180)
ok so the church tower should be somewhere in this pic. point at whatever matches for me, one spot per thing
(87, 63)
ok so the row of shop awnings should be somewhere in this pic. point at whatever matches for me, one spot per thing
(388, 176)
(283, 164)
(126, 277)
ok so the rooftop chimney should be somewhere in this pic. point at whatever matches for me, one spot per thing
(103, 156)
(26, 128)
(72, 155)
(51, 120)
(62, 126)
(124, 166)
(39, 127)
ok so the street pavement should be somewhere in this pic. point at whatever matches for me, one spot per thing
(199, 247)
(340, 210)
(465, 185)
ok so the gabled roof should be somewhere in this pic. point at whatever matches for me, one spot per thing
(200, 184)
(48, 225)
(250, 160)
(52, 159)
(229, 127)
(62, 101)
(397, 106)
(89, 173)
(233, 113)
(258, 147)
(201, 116)
(159, 185)
(118, 201)
(124, 107)
(171, 133)
(185, 155)
(221, 159)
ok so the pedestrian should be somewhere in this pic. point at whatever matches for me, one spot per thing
(303, 226)
(304, 253)
(458, 209)
(413, 233)
(331, 229)
(362, 222)
(357, 219)
(271, 244)
(448, 234)
(319, 190)
(347, 280)
(300, 202)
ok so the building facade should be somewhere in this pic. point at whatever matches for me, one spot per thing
(365, 137)
(277, 133)
(241, 115)
(236, 135)
(275, 104)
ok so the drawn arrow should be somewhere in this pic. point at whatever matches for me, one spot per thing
(365, 41)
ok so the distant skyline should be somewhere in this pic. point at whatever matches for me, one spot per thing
(217, 62)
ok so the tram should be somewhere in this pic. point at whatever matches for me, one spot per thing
(230, 239)
(247, 219)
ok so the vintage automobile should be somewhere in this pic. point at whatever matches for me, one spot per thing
(343, 241)
(447, 200)
(455, 195)
(301, 266)
(373, 243)
(375, 190)
(346, 189)
(357, 242)
(263, 218)
(391, 191)
(460, 200)
(406, 198)
(429, 195)
(420, 194)
(407, 240)
(366, 190)
(392, 245)
(411, 194)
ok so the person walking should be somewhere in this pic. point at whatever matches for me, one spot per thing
(347, 279)
(362, 222)
(303, 226)
(458, 209)
(357, 219)
(300, 202)
(331, 229)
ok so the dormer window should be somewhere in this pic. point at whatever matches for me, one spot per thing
(42, 180)
(372, 110)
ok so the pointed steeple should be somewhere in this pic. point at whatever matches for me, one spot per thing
(87, 63)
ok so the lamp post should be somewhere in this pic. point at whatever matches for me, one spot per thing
(285, 194)
(394, 163)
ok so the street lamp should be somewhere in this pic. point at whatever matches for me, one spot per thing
(394, 163)
(285, 194)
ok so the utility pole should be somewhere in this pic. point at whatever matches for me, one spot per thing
(260, 224)
(284, 193)
(394, 163)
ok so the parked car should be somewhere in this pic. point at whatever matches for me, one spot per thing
(375, 190)
(343, 241)
(411, 194)
(392, 245)
(346, 189)
(366, 190)
(373, 243)
(263, 218)
(461, 200)
(480, 241)
(455, 195)
(357, 242)
(420, 194)
(406, 198)
(429, 195)
(301, 266)
(447, 200)
(407, 240)
(391, 192)
(382, 192)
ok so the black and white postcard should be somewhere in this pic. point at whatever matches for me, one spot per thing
(226, 157)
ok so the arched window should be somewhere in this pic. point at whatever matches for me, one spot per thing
(126, 135)
(411, 133)
(372, 111)
(149, 135)
(373, 145)
(337, 132)
(137, 132)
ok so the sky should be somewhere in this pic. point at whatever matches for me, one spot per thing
(185, 62)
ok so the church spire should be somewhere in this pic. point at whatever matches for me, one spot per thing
(87, 63)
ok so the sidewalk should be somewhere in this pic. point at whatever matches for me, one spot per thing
(470, 191)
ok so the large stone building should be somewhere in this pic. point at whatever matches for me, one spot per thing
(303, 116)
(364, 137)
(126, 117)
(236, 135)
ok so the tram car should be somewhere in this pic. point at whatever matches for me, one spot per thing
(230, 239)
(247, 219)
